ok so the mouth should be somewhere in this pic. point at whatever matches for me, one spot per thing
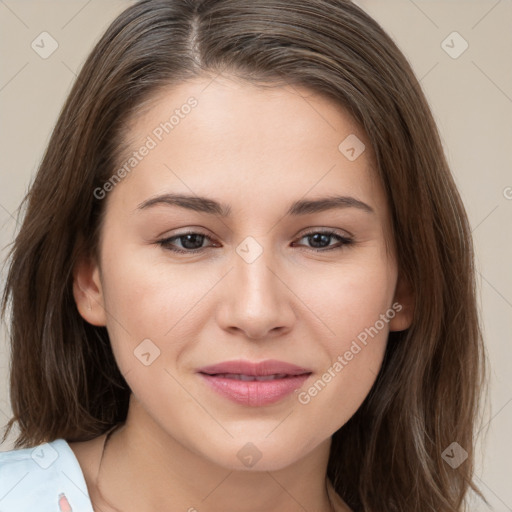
(250, 378)
(266, 368)
(255, 384)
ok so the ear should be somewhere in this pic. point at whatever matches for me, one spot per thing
(404, 309)
(88, 292)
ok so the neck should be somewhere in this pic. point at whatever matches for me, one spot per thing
(143, 468)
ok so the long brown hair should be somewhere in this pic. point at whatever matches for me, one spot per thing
(64, 381)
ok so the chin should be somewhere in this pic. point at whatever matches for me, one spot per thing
(256, 456)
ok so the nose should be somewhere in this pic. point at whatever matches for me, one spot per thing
(257, 300)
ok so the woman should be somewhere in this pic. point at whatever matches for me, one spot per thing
(244, 280)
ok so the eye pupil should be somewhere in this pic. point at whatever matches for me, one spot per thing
(320, 238)
(193, 238)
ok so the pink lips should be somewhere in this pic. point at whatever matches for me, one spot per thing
(255, 384)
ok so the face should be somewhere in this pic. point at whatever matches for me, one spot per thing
(257, 270)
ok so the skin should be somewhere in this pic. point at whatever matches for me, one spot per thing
(257, 151)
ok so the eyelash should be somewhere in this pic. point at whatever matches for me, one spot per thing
(166, 243)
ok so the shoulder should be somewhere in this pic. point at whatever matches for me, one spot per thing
(44, 477)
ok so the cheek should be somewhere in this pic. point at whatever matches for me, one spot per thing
(355, 314)
(352, 297)
(337, 393)
(148, 299)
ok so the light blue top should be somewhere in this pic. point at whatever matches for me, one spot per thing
(45, 478)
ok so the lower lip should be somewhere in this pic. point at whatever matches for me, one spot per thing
(255, 393)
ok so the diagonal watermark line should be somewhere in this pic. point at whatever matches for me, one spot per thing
(286, 490)
(333, 333)
(428, 71)
(96, 506)
(13, 77)
(12, 488)
(482, 501)
(411, 86)
(3, 413)
(213, 79)
(497, 497)
(304, 98)
(9, 213)
(494, 416)
(424, 14)
(76, 76)
(495, 289)
(13, 13)
(499, 1)
(218, 485)
(484, 218)
(76, 14)
(200, 404)
(280, 423)
(372, 372)
(492, 81)
(198, 301)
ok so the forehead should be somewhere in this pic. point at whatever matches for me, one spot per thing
(238, 109)
(244, 143)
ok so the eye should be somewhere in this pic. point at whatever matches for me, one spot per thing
(191, 242)
(320, 240)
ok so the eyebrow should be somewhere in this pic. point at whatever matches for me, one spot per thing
(212, 207)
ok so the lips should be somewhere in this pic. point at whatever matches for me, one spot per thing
(251, 378)
(254, 384)
(269, 367)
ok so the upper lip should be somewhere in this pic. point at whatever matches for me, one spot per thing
(257, 369)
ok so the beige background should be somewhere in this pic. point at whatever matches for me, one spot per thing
(471, 97)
